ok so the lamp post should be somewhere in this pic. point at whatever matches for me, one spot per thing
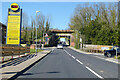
(36, 31)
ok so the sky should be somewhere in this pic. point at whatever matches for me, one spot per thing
(58, 12)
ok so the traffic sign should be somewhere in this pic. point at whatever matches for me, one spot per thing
(46, 35)
(14, 6)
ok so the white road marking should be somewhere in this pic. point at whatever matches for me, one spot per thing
(79, 61)
(117, 62)
(73, 57)
(86, 66)
(94, 73)
(66, 51)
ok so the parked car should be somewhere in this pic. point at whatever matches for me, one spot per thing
(59, 46)
(112, 52)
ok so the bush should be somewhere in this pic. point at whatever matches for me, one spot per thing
(46, 45)
(33, 50)
(118, 57)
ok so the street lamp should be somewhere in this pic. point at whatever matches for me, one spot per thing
(36, 31)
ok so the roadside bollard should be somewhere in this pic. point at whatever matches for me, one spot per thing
(11, 57)
(2, 59)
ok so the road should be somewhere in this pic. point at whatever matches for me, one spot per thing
(67, 63)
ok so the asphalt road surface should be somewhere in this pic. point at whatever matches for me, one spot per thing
(67, 63)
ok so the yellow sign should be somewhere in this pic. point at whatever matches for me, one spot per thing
(14, 25)
(14, 13)
(13, 30)
(14, 6)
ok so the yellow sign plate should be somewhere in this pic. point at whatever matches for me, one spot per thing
(14, 6)
(13, 30)
(14, 12)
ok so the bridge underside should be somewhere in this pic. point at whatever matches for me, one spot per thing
(62, 34)
(67, 39)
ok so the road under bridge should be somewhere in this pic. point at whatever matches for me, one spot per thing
(57, 34)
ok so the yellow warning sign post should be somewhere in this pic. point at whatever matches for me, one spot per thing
(14, 25)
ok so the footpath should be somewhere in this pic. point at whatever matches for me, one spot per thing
(11, 72)
(98, 55)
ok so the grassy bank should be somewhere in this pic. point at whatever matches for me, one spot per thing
(33, 50)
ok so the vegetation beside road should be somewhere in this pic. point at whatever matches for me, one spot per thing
(33, 50)
(28, 33)
(118, 57)
(96, 24)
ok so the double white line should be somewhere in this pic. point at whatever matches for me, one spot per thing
(84, 65)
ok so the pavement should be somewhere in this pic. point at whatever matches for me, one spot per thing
(69, 63)
(13, 68)
(98, 55)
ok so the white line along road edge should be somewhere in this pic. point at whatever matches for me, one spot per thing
(85, 66)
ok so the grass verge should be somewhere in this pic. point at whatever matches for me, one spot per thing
(118, 57)
(33, 50)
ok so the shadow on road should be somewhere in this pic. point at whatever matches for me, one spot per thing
(23, 71)
(54, 72)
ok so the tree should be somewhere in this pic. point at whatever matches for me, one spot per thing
(29, 32)
(97, 23)
(47, 25)
(24, 28)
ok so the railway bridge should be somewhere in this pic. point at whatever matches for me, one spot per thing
(58, 34)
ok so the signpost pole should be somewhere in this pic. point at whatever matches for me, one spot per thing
(36, 33)
(43, 39)
(116, 52)
(40, 43)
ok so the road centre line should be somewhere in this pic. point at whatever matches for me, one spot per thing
(66, 51)
(86, 66)
(94, 73)
(73, 57)
(79, 61)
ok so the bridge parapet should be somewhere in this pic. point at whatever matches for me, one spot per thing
(62, 31)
